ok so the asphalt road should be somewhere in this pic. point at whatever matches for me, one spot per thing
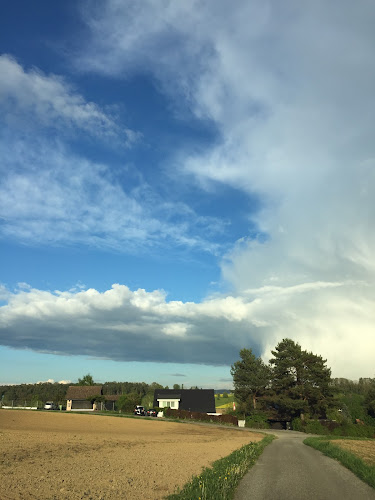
(290, 470)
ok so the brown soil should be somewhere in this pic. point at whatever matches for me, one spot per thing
(363, 449)
(72, 456)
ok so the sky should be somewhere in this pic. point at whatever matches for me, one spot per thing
(181, 180)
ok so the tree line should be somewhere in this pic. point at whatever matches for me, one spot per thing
(131, 393)
(46, 391)
(294, 384)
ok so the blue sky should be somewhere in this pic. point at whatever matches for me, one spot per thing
(180, 181)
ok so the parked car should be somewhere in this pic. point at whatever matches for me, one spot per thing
(50, 405)
(152, 413)
(139, 410)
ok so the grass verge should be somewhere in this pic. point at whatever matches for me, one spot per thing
(221, 480)
(349, 460)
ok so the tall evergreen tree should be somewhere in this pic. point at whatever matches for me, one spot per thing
(300, 381)
(250, 378)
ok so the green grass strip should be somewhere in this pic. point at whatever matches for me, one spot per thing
(221, 480)
(349, 460)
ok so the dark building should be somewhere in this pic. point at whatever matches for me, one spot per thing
(201, 400)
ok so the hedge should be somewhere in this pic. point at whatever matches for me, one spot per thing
(204, 417)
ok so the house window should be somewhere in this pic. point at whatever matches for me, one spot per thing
(174, 403)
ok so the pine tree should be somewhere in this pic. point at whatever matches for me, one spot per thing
(250, 378)
(300, 381)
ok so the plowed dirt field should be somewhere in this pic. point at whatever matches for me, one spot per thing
(72, 456)
(363, 449)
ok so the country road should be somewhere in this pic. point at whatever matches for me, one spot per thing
(290, 470)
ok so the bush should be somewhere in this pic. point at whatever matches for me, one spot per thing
(298, 425)
(355, 430)
(339, 415)
(354, 405)
(309, 426)
(127, 402)
(368, 420)
(257, 420)
(327, 427)
(315, 427)
(331, 425)
(204, 417)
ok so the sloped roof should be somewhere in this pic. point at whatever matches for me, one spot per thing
(201, 400)
(169, 395)
(83, 391)
(111, 397)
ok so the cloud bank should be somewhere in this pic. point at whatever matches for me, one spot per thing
(124, 325)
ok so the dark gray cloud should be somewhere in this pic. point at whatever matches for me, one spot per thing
(123, 325)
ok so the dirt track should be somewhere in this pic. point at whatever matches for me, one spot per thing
(59, 456)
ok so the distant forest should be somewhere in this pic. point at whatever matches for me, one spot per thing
(38, 394)
(350, 391)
